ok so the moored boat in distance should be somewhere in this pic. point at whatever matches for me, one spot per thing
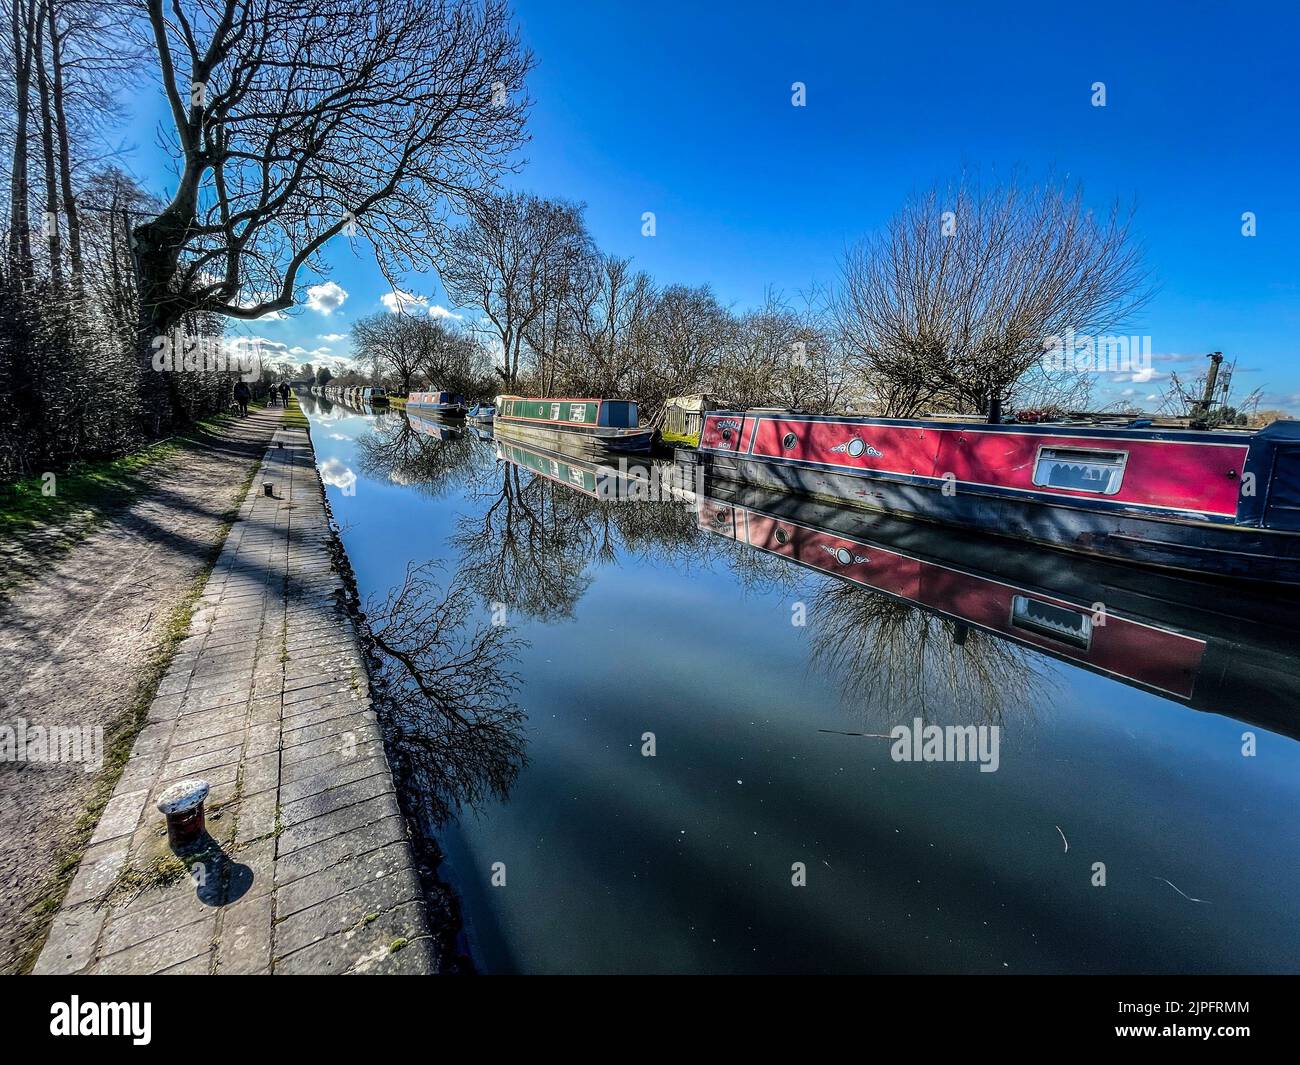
(1223, 502)
(442, 404)
(583, 424)
(481, 413)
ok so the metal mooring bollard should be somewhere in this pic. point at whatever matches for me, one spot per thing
(182, 804)
(268, 488)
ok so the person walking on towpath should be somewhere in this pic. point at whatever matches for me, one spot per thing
(242, 395)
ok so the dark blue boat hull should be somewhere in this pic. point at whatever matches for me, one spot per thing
(1223, 549)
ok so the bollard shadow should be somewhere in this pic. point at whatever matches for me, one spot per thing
(219, 878)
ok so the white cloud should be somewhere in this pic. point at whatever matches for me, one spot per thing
(332, 337)
(441, 312)
(326, 298)
(398, 301)
(267, 347)
(334, 472)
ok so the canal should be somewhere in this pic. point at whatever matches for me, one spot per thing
(659, 737)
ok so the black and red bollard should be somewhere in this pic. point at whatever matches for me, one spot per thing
(182, 805)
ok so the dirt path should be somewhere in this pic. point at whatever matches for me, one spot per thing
(83, 646)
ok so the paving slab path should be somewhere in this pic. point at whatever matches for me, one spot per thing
(80, 639)
(306, 866)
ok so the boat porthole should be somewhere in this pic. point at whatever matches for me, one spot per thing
(789, 440)
(843, 556)
(782, 537)
(856, 447)
(726, 434)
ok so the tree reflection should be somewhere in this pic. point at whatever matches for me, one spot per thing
(535, 542)
(896, 659)
(448, 695)
(429, 457)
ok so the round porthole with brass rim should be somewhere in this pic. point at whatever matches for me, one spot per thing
(782, 537)
(789, 440)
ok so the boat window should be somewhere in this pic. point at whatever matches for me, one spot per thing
(577, 412)
(1081, 469)
(1055, 622)
(789, 440)
(555, 412)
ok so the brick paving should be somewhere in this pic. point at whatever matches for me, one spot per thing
(307, 868)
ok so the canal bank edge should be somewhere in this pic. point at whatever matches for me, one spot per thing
(442, 904)
(306, 867)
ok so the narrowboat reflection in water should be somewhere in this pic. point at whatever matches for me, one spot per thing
(639, 480)
(430, 426)
(1229, 650)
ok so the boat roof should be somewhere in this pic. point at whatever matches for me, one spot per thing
(1284, 427)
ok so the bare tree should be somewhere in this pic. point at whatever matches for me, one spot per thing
(390, 345)
(608, 310)
(454, 359)
(953, 304)
(298, 120)
(782, 355)
(25, 30)
(688, 333)
(512, 260)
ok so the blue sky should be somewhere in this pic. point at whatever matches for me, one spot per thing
(684, 109)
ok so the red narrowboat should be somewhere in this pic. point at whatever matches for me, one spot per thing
(1223, 502)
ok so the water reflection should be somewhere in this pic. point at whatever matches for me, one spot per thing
(540, 528)
(427, 455)
(452, 726)
(960, 621)
(677, 618)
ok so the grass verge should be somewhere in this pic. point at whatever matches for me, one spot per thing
(294, 418)
(83, 496)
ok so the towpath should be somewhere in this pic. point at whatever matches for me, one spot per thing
(251, 678)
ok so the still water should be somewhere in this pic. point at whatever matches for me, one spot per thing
(1142, 815)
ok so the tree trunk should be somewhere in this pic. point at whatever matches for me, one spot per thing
(65, 156)
(51, 221)
(20, 238)
(155, 266)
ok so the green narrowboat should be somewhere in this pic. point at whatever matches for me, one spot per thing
(587, 424)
